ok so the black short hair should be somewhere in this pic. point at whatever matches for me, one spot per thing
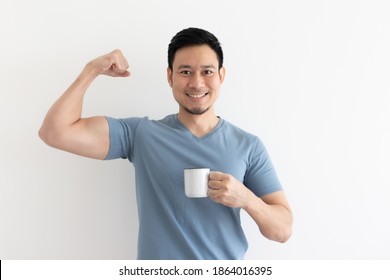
(191, 37)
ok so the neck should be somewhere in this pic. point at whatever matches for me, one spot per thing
(199, 125)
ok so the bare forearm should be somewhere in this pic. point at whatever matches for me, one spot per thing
(68, 108)
(271, 212)
(63, 127)
(274, 220)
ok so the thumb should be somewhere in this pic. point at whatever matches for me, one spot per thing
(120, 71)
(125, 74)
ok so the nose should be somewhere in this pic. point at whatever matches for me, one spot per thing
(196, 81)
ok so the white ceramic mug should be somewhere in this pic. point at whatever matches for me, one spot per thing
(196, 182)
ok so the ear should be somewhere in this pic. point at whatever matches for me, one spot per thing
(169, 76)
(222, 73)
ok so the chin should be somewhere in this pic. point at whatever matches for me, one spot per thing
(196, 111)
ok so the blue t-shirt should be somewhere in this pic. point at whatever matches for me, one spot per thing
(172, 226)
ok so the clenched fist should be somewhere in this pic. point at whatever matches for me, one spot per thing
(113, 64)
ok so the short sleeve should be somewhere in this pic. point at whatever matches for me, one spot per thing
(122, 137)
(261, 176)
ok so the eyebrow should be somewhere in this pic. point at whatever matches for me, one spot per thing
(190, 67)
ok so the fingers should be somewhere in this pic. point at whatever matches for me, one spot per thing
(219, 180)
(112, 64)
(218, 193)
(119, 64)
(215, 180)
(215, 185)
(226, 190)
(119, 71)
(216, 175)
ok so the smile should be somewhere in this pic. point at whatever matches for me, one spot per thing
(197, 95)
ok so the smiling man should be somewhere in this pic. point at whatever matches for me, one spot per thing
(172, 226)
(199, 82)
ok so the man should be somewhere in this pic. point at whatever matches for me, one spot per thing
(173, 226)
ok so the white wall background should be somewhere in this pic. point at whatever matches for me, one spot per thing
(311, 78)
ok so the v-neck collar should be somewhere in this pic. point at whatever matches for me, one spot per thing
(183, 127)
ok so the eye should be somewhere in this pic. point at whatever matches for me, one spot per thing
(208, 72)
(185, 72)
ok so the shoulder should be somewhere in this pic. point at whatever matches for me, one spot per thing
(143, 125)
(234, 131)
(130, 121)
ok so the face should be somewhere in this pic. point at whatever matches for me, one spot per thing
(195, 79)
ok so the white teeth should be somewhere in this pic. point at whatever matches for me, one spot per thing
(196, 96)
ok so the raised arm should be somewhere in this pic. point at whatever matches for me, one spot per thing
(64, 129)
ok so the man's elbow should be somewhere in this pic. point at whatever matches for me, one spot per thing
(284, 237)
(50, 136)
(281, 234)
(285, 230)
